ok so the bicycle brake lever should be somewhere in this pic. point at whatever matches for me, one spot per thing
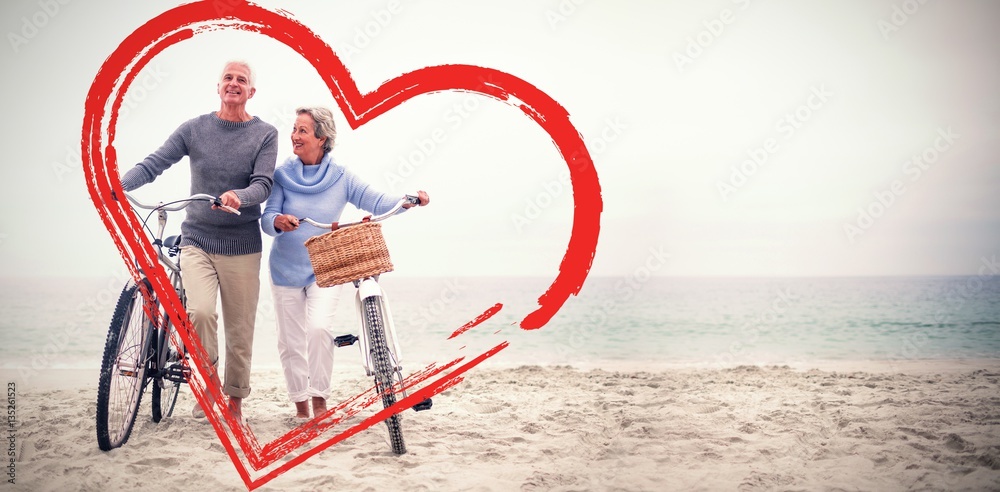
(218, 203)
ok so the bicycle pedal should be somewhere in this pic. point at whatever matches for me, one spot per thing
(345, 340)
(178, 373)
(424, 405)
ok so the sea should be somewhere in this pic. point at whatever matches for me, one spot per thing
(61, 323)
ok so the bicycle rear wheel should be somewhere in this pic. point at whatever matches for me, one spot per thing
(123, 368)
(165, 389)
(384, 367)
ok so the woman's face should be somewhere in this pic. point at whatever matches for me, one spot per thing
(304, 141)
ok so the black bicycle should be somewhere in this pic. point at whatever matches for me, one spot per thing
(138, 351)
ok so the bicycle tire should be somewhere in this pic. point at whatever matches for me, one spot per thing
(163, 396)
(123, 369)
(385, 372)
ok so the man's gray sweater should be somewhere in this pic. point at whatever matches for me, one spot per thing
(224, 155)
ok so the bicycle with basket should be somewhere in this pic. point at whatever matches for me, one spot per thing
(356, 252)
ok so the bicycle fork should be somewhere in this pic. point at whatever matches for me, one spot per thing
(369, 289)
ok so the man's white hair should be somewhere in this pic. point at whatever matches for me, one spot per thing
(251, 77)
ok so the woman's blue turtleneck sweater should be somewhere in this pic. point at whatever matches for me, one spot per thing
(319, 192)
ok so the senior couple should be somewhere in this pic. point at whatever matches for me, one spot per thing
(232, 155)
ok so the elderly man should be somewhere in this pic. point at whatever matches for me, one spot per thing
(232, 155)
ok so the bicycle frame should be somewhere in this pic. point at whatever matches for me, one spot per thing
(172, 243)
(159, 368)
(176, 280)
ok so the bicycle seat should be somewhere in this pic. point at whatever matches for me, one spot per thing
(172, 241)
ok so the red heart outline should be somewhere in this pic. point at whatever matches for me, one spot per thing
(101, 172)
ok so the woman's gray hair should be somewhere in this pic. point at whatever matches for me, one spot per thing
(323, 126)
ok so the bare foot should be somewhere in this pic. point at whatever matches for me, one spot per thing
(302, 409)
(235, 409)
(319, 406)
(236, 406)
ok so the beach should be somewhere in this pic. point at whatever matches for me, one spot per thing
(912, 425)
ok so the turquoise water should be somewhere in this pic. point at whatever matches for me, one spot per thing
(702, 321)
(732, 321)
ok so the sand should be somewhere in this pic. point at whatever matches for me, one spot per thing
(926, 426)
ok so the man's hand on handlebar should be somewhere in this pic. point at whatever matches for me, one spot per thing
(228, 199)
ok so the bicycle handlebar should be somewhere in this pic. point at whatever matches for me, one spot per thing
(182, 203)
(406, 199)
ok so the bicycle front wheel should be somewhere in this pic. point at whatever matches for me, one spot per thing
(384, 367)
(123, 367)
(165, 389)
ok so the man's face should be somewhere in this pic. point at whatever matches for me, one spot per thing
(234, 88)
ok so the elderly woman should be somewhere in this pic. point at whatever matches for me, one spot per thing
(310, 184)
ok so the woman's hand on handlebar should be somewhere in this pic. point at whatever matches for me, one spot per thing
(406, 202)
(422, 197)
(286, 223)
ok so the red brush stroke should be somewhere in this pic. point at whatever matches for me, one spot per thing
(101, 172)
(479, 319)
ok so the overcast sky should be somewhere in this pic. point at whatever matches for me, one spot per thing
(732, 137)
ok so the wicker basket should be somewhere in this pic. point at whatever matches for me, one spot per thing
(348, 254)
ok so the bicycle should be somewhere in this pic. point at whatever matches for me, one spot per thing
(138, 349)
(355, 252)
